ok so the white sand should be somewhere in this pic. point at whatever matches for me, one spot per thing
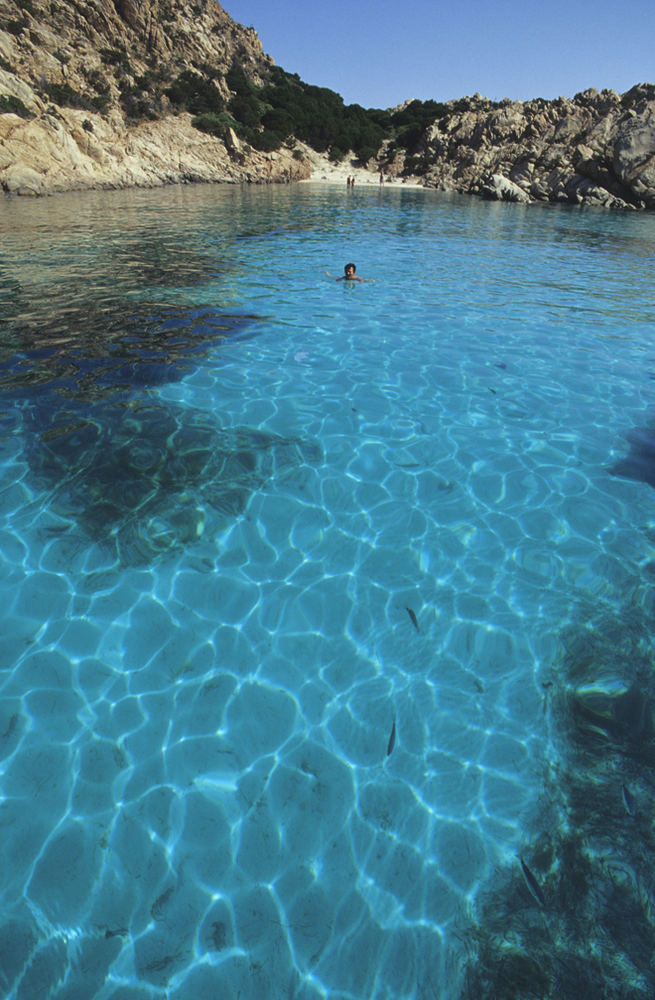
(337, 173)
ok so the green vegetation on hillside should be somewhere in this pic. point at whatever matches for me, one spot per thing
(275, 109)
(285, 108)
(12, 105)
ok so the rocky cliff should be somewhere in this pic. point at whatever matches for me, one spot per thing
(596, 149)
(104, 93)
(88, 89)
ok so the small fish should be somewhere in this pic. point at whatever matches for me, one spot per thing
(392, 739)
(159, 905)
(491, 390)
(532, 884)
(412, 617)
(628, 800)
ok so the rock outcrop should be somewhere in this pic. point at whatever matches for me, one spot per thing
(98, 94)
(594, 149)
(83, 90)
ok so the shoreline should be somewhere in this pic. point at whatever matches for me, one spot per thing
(326, 172)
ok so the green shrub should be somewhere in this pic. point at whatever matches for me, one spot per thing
(15, 27)
(366, 153)
(237, 81)
(137, 107)
(286, 107)
(166, 12)
(245, 109)
(97, 81)
(214, 124)
(64, 95)
(337, 154)
(194, 93)
(414, 165)
(265, 140)
(115, 57)
(147, 81)
(12, 105)
(278, 120)
(99, 103)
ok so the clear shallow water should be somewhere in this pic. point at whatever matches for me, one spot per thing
(252, 519)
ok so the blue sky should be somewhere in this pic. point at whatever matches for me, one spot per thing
(381, 54)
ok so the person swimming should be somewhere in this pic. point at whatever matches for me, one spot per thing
(349, 274)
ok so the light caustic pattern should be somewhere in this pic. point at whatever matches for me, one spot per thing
(200, 792)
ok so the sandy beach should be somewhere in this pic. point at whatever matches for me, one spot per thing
(324, 171)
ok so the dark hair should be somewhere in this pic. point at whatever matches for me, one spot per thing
(346, 266)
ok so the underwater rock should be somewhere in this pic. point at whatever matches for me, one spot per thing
(633, 715)
(594, 848)
(144, 478)
(97, 348)
(639, 463)
(626, 719)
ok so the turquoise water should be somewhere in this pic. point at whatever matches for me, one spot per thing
(324, 604)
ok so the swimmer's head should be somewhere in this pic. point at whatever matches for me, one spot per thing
(349, 270)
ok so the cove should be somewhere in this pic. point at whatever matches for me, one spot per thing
(252, 522)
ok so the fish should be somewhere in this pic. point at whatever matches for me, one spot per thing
(412, 617)
(120, 932)
(628, 800)
(392, 739)
(532, 884)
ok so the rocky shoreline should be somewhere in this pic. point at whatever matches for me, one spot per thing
(83, 106)
(593, 149)
(71, 80)
(68, 150)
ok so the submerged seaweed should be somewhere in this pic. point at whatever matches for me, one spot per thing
(98, 349)
(144, 478)
(595, 935)
(639, 463)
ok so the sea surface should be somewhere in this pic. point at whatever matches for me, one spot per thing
(326, 637)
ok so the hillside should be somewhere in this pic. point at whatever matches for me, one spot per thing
(96, 93)
(117, 93)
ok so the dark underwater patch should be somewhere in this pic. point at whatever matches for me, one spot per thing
(145, 479)
(93, 352)
(639, 463)
(592, 856)
(149, 262)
